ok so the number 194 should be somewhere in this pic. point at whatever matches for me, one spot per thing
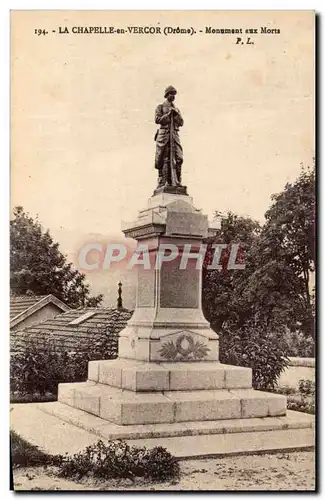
(39, 31)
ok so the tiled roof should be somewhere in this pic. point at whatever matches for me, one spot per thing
(20, 304)
(103, 322)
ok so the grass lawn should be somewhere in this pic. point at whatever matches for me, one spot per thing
(24, 454)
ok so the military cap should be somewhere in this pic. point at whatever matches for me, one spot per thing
(170, 90)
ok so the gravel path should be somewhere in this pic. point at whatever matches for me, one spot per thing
(280, 471)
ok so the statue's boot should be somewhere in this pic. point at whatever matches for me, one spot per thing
(160, 181)
(179, 175)
(165, 175)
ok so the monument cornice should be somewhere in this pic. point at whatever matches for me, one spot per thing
(146, 231)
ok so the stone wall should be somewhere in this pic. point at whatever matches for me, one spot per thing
(299, 368)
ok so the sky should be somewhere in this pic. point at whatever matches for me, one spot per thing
(82, 117)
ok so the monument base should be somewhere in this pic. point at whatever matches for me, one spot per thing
(128, 392)
(191, 408)
(171, 190)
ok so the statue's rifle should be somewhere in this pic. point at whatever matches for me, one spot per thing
(173, 174)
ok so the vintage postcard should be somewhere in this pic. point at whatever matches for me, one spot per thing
(162, 247)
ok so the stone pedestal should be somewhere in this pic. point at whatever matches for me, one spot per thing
(168, 323)
(168, 381)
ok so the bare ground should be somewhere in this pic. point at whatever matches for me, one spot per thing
(279, 471)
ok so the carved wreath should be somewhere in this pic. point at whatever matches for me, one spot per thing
(194, 350)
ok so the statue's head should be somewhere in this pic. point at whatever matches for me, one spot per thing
(170, 93)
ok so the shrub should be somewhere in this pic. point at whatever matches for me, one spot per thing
(286, 390)
(160, 465)
(257, 346)
(300, 400)
(304, 405)
(36, 397)
(117, 459)
(38, 367)
(307, 387)
(299, 345)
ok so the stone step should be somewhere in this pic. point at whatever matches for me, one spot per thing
(125, 407)
(111, 431)
(43, 425)
(181, 376)
(233, 444)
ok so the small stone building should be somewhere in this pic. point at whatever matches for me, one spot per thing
(27, 310)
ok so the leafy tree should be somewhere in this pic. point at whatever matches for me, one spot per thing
(222, 297)
(37, 265)
(286, 256)
(253, 310)
(246, 336)
(279, 259)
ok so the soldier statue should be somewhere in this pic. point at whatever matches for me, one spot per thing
(169, 153)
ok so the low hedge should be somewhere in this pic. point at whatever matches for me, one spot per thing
(38, 367)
